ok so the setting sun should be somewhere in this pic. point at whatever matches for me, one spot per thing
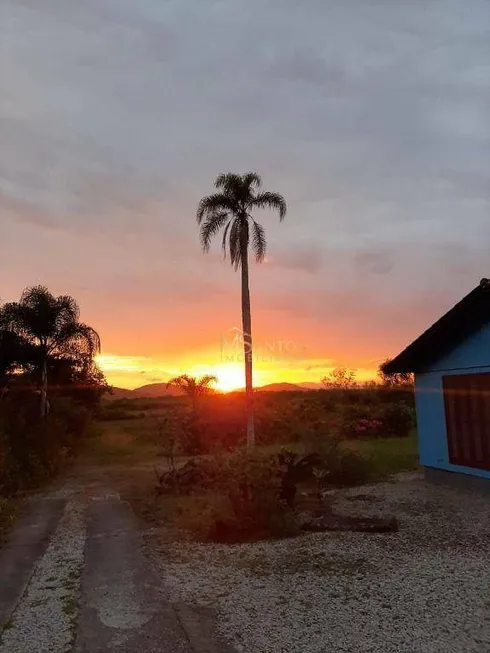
(230, 377)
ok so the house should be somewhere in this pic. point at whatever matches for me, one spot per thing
(451, 364)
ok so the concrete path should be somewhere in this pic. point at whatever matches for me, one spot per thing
(73, 579)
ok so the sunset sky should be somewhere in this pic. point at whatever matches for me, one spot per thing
(371, 117)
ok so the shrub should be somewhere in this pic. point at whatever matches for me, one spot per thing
(34, 450)
(294, 469)
(346, 467)
(75, 418)
(246, 496)
(116, 414)
(32, 453)
(198, 474)
(382, 420)
(398, 419)
(237, 497)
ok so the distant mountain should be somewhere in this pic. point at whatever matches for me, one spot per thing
(310, 385)
(282, 387)
(161, 390)
(157, 390)
(119, 393)
(150, 390)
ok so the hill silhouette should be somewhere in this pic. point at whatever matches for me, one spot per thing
(161, 390)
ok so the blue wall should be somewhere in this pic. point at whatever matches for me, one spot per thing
(473, 356)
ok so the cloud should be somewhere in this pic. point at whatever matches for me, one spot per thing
(320, 366)
(371, 118)
(378, 262)
(303, 258)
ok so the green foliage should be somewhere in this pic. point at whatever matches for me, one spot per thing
(398, 419)
(394, 379)
(43, 343)
(389, 456)
(340, 378)
(280, 417)
(295, 468)
(381, 420)
(116, 414)
(33, 450)
(346, 467)
(242, 502)
(246, 495)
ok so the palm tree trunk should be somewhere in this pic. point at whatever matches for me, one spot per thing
(247, 349)
(44, 387)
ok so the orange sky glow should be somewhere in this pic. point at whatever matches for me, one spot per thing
(382, 160)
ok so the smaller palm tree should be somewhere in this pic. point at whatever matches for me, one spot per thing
(51, 326)
(194, 387)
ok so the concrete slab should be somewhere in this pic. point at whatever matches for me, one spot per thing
(122, 607)
(26, 545)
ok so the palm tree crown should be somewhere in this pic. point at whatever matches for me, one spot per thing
(50, 322)
(231, 209)
(50, 325)
(193, 386)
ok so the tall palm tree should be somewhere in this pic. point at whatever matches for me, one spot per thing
(51, 324)
(230, 209)
(193, 387)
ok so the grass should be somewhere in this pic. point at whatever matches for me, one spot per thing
(117, 443)
(390, 456)
(130, 447)
(387, 456)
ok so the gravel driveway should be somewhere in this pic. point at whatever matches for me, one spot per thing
(73, 578)
(423, 589)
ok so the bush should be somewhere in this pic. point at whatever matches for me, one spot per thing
(398, 419)
(237, 497)
(245, 496)
(116, 414)
(75, 418)
(346, 467)
(383, 420)
(34, 450)
(198, 474)
(32, 453)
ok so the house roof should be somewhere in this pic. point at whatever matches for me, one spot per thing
(464, 319)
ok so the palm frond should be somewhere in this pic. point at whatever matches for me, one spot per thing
(216, 203)
(259, 243)
(27, 321)
(76, 339)
(232, 208)
(11, 317)
(270, 200)
(36, 296)
(38, 311)
(252, 180)
(228, 181)
(206, 380)
(182, 381)
(225, 234)
(67, 310)
(210, 228)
